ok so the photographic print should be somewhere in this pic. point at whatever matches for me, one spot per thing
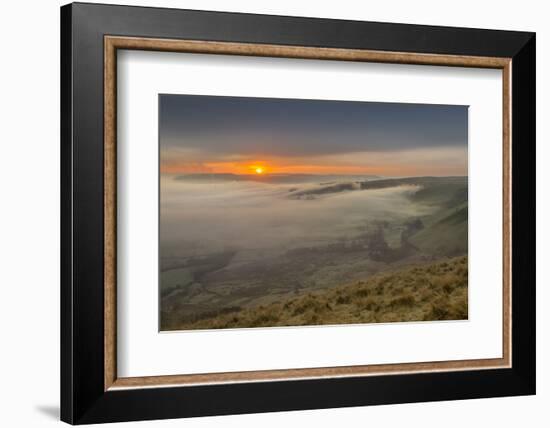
(291, 212)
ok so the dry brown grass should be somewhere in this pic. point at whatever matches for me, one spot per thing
(438, 291)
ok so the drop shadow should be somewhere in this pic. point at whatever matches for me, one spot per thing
(49, 410)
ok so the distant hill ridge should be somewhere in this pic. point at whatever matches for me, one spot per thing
(380, 183)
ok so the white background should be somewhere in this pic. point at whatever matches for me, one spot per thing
(142, 351)
(29, 226)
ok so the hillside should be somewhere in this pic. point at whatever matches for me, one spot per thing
(433, 190)
(436, 291)
(443, 232)
(447, 234)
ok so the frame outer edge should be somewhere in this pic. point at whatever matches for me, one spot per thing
(524, 215)
(66, 257)
(83, 397)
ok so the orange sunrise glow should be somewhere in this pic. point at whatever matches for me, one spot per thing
(276, 166)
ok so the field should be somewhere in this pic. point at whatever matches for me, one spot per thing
(281, 250)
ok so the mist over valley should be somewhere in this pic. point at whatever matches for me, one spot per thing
(230, 242)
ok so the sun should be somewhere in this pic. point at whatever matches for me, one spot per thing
(258, 168)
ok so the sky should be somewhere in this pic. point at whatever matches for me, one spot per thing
(213, 134)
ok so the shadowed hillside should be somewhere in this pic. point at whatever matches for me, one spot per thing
(428, 292)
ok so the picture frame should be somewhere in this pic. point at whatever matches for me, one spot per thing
(91, 389)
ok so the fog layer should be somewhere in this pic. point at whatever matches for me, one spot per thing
(198, 218)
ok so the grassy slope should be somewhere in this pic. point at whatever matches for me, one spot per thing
(447, 235)
(446, 232)
(436, 291)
